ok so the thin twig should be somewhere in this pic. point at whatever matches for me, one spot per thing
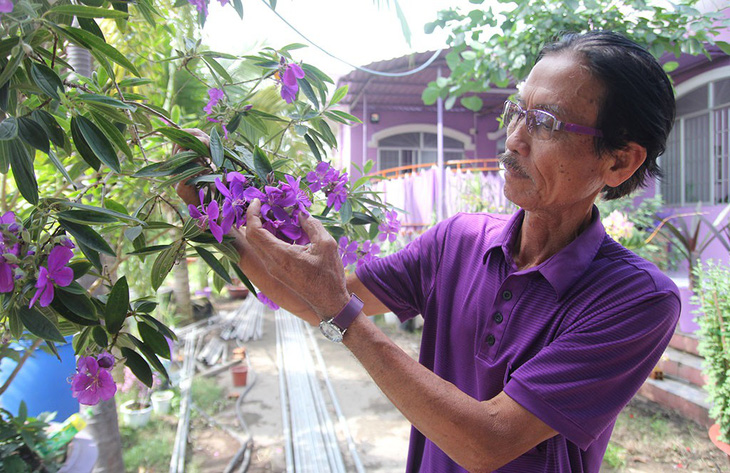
(20, 364)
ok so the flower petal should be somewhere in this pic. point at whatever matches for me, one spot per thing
(59, 257)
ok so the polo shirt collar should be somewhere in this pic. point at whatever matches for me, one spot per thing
(564, 268)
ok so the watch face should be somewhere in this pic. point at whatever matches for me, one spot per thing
(331, 331)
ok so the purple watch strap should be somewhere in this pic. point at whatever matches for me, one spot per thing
(348, 313)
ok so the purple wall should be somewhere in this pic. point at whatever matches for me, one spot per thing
(462, 121)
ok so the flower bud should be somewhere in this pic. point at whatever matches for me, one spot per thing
(25, 235)
(26, 48)
(10, 258)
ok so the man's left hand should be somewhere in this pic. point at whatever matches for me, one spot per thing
(314, 271)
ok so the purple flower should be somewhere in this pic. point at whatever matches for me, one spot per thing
(321, 177)
(267, 302)
(93, 382)
(200, 5)
(368, 250)
(6, 6)
(338, 195)
(390, 227)
(347, 250)
(7, 283)
(207, 216)
(235, 203)
(57, 273)
(289, 73)
(215, 96)
(302, 199)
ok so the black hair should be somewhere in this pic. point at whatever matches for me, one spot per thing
(638, 103)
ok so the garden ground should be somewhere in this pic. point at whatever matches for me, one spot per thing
(647, 438)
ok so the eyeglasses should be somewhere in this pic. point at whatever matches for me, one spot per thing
(540, 123)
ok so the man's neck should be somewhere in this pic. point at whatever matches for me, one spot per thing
(543, 234)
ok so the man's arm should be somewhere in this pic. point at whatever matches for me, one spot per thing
(480, 436)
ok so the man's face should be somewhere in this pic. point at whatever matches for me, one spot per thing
(563, 172)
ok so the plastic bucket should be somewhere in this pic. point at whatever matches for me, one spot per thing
(42, 382)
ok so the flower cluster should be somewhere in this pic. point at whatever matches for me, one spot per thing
(287, 76)
(331, 182)
(93, 380)
(618, 226)
(352, 252)
(12, 253)
(280, 208)
(390, 227)
(202, 5)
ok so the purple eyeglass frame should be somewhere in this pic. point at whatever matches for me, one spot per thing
(559, 125)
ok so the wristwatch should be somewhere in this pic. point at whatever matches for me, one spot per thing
(334, 329)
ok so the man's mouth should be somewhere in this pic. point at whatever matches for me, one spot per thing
(510, 162)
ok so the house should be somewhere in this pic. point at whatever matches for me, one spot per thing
(427, 147)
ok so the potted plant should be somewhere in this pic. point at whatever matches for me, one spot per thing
(161, 401)
(712, 292)
(137, 410)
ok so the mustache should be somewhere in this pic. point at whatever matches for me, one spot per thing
(510, 161)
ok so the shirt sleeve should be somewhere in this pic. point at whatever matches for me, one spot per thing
(403, 280)
(580, 382)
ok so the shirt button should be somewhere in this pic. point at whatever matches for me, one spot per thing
(490, 340)
(506, 295)
(498, 317)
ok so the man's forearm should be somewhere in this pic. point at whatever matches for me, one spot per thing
(480, 436)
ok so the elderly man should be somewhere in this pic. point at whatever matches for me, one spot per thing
(538, 328)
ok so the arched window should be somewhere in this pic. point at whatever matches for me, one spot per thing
(416, 147)
(697, 160)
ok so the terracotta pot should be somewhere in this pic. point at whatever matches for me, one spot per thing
(240, 374)
(714, 433)
(237, 292)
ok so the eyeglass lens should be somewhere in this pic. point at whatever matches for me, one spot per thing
(540, 124)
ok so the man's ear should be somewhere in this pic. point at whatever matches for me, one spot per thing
(625, 163)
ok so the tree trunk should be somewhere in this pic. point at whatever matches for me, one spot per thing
(104, 428)
(181, 289)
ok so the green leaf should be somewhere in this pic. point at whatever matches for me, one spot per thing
(345, 116)
(163, 264)
(139, 367)
(149, 354)
(33, 134)
(670, 66)
(308, 91)
(87, 154)
(185, 140)
(87, 236)
(46, 80)
(100, 337)
(113, 133)
(220, 70)
(214, 264)
(144, 306)
(216, 148)
(70, 315)
(162, 328)
(338, 95)
(346, 212)
(86, 218)
(92, 27)
(107, 101)
(246, 282)
(22, 164)
(149, 250)
(87, 12)
(95, 44)
(39, 325)
(80, 267)
(8, 128)
(53, 130)
(91, 255)
(117, 214)
(81, 339)
(117, 305)
(11, 67)
(261, 164)
(154, 340)
(724, 46)
(78, 304)
(313, 146)
(238, 6)
(98, 143)
(472, 103)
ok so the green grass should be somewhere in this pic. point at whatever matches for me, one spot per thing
(615, 456)
(149, 447)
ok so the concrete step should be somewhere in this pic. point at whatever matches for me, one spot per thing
(687, 399)
(684, 341)
(682, 365)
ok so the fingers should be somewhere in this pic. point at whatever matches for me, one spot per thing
(314, 229)
(264, 243)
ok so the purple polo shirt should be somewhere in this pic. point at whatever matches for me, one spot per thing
(571, 340)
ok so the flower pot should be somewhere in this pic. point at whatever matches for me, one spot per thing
(237, 292)
(714, 433)
(161, 401)
(133, 416)
(239, 353)
(240, 374)
(81, 455)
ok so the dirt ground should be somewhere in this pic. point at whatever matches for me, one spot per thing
(647, 438)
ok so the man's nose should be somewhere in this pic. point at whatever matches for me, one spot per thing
(518, 137)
